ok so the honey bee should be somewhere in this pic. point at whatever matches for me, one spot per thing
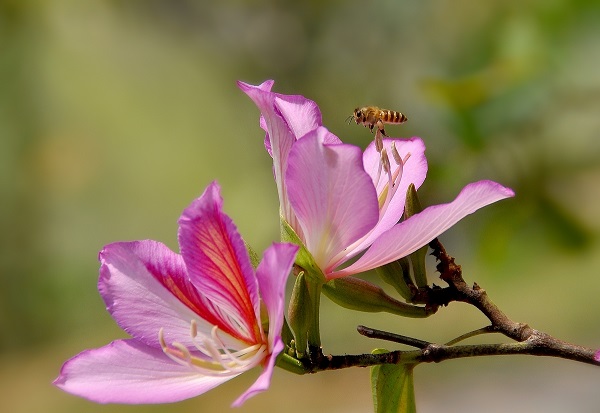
(371, 116)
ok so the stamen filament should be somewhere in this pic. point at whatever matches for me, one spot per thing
(390, 190)
(385, 195)
(395, 154)
(187, 356)
(220, 359)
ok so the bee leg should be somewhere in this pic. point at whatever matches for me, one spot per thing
(380, 127)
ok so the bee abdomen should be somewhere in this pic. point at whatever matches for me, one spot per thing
(391, 116)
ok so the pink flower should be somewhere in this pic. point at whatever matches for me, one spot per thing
(194, 318)
(342, 202)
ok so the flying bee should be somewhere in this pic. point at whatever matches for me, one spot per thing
(371, 116)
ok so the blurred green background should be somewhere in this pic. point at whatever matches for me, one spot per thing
(114, 115)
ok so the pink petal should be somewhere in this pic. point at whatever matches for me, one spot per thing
(332, 196)
(279, 133)
(414, 172)
(272, 274)
(127, 371)
(264, 380)
(417, 231)
(218, 264)
(301, 115)
(145, 288)
(285, 118)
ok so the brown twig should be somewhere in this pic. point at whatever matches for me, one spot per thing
(528, 340)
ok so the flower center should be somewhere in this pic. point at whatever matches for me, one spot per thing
(211, 356)
(393, 172)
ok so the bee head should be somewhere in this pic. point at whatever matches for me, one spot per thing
(357, 116)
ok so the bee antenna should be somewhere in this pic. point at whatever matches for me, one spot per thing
(349, 119)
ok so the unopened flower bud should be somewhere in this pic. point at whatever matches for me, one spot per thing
(397, 274)
(300, 313)
(356, 294)
(417, 258)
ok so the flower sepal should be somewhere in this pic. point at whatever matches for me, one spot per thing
(360, 295)
(290, 363)
(304, 258)
(254, 257)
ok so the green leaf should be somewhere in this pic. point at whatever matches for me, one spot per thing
(393, 387)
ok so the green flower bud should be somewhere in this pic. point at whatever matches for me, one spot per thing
(417, 258)
(300, 313)
(356, 294)
(397, 274)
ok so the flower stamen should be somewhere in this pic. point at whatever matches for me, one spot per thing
(214, 357)
(385, 196)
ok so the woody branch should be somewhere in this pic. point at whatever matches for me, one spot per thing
(528, 341)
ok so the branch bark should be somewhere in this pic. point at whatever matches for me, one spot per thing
(528, 341)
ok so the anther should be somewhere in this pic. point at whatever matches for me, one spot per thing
(385, 162)
(396, 155)
(193, 328)
(378, 141)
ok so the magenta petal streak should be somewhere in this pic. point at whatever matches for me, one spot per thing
(194, 318)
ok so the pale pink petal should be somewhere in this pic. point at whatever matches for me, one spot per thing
(302, 115)
(266, 86)
(332, 196)
(142, 284)
(264, 380)
(410, 235)
(329, 139)
(272, 274)
(280, 136)
(414, 172)
(218, 264)
(127, 371)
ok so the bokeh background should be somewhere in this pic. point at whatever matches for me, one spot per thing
(114, 115)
